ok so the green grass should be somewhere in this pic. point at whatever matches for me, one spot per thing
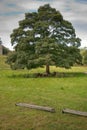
(59, 93)
(3, 65)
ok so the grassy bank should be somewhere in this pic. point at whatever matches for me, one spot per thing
(59, 93)
(3, 65)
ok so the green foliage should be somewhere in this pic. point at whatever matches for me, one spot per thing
(84, 56)
(5, 51)
(44, 38)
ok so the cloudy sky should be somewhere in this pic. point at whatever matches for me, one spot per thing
(12, 11)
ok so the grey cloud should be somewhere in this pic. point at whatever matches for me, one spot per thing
(74, 11)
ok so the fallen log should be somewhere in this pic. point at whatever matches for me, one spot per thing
(70, 111)
(36, 107)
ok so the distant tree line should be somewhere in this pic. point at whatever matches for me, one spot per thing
(5, 50)
(84, 55)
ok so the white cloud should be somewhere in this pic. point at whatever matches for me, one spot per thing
(13, 11)
(7, 26)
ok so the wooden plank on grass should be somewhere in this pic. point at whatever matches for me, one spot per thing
(36, 107)
(70, 111)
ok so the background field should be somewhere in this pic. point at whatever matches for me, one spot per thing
(59, 93)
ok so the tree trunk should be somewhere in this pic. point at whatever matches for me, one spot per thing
(47, 69)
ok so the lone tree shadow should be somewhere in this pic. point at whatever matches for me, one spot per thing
(53, 75)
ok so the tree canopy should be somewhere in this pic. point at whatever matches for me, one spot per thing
(44, 38)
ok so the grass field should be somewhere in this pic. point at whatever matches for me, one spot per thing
(59, 93)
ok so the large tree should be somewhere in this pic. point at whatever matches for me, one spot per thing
(44, 38)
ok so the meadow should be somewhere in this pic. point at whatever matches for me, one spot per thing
(56, 92)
